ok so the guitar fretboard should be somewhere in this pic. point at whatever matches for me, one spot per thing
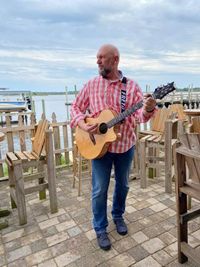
(124, 114)
(127, 113)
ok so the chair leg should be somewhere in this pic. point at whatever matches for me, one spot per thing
(80, 166)
(12, 185)
(181, 203)
(75, 166)
(168, 168)
(52, 189)
(151, 171)
(51, 172)
(135, 163)
(20, 193)
(42, 193)
(143, 177)
(182, 227)
(158, 168)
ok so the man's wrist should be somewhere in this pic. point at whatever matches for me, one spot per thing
(150, 111)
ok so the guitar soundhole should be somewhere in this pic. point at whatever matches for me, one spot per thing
(103, 128)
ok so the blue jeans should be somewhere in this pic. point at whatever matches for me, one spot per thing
(101, 172)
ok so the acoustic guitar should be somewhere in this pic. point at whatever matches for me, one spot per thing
(93, 146)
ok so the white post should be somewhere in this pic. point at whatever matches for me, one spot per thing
(43, 108)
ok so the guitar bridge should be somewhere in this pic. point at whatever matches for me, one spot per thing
(92, 139)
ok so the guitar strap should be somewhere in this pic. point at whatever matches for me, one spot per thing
(123, 95)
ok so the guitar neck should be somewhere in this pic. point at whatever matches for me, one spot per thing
(124, 114)
(127, 113)
(158, 93)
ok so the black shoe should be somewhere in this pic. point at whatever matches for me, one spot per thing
(103, 241)
(121, 226)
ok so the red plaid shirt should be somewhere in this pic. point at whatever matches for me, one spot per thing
(100, 94)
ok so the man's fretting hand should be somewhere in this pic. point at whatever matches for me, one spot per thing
(149, 103)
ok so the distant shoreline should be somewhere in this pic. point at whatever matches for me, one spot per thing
(47, 93)
(74, 92)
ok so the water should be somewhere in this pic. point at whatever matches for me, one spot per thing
(56, 104)
(53, 103)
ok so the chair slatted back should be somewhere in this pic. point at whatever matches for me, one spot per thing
(178, 108)
(158, 123)
(195, 128)
(159, 118)
(192, 142)
(39, 138)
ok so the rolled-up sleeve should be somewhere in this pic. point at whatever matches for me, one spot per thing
(140, 116)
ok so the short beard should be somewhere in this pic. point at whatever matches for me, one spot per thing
(104, 72)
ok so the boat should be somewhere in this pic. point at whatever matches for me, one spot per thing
(14, 101)
(13, 106)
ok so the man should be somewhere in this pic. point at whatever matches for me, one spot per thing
(107, 92)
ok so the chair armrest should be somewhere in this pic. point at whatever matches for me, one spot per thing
(148, 132)
(188, 152)
(174, 120)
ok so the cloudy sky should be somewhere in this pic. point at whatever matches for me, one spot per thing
(49, 44)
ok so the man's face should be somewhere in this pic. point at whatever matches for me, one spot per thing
(105, 61)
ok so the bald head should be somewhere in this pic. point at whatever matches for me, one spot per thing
(108, 60)
(110, 49)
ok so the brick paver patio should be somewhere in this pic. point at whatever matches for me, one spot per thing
(67, 239)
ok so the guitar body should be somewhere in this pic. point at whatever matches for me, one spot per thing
(98, 147)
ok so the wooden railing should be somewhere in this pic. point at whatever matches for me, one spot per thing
(18, 136)
(19, 129)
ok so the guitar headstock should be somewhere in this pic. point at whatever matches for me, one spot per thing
(162, 91)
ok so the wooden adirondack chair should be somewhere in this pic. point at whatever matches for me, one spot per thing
(157, 125)
(156, 146)
(18, 162)
(187, 156)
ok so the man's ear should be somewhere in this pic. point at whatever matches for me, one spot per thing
(116, 59)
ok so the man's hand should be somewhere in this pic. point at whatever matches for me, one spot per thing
(149, 103)
(90, 128)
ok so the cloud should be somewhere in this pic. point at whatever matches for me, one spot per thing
(57, 41)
